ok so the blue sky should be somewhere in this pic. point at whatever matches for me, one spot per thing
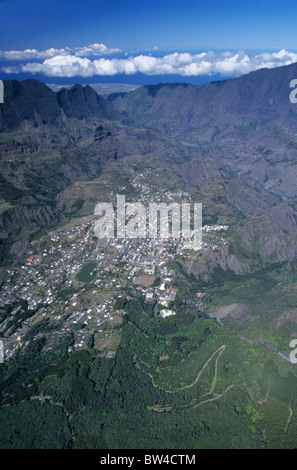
(144, 40)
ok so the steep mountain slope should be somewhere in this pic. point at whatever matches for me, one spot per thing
(49, 141)
(82, 102)
(245, 127)
(29, 100)
(33, 102)
(262, 96)
(239, 132)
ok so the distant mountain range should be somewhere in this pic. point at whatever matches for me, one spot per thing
(101, 88)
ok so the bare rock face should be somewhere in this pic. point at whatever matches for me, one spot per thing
(81, 102)
(101, 133)
(29, 218)
(289, 316)
(34, 103)
(235, 265)
(210, 260)
(29, 100)
(18, 249)
(236, 311)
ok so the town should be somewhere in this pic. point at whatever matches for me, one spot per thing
(72, 280)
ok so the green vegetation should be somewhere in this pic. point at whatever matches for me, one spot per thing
(39, 425)
(182, 382)
(87, 273)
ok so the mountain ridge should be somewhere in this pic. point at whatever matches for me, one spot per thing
(261, 94)
(238, 135)
(34, 102)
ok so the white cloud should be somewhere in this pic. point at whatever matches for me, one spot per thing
(95, 50)
(69, 63)
(92, 50)
(62, 66)
(29, 54)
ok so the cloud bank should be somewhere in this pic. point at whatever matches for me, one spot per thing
(84, 62)
(30, 54)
